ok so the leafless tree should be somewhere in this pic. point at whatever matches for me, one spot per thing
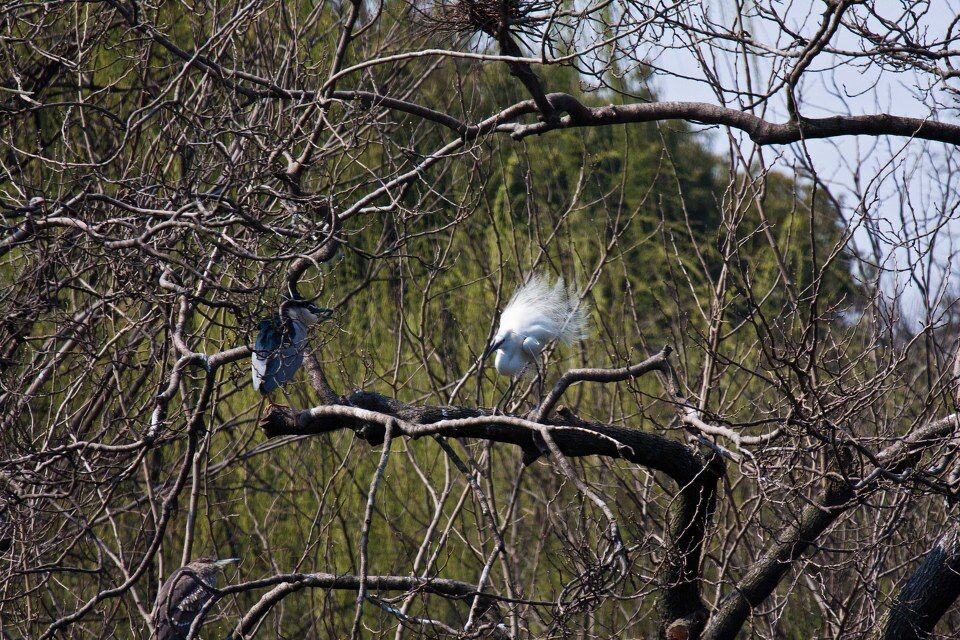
(759, 438)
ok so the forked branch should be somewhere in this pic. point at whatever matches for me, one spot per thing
(368, 414)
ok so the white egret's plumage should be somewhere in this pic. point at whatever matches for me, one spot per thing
(536, 315)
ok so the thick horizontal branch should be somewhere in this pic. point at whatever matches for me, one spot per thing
(291, 583)
(680, 604)
(760, 131)
(367, 414)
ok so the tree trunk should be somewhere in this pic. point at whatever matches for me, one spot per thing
(928, 593)
(766, 574)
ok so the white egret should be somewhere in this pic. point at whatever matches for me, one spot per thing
(537, 314)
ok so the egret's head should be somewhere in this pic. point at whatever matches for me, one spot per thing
(500, 342)
(510, 360)
(305, 312)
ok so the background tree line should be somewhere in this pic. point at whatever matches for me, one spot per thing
(169, 173)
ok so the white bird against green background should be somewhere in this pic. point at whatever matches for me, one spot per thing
(537, 314)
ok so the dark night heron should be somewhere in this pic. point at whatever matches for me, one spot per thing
(278, 351)
(182, 597)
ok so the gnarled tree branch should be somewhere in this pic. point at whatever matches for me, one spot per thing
(680, 604)
(761, 131)
(291, 583)
(927, 594)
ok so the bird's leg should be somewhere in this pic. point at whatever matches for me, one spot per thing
(537, 365)
(260, 409)
(533, 347)
(270, 403)
(500, 407)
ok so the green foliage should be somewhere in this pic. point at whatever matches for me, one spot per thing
(644, 213)
(647, 203)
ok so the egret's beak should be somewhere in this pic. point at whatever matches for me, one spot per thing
(493, 347)
(226, 561)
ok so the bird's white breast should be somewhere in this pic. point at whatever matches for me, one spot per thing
(259, 366)
(511, 359)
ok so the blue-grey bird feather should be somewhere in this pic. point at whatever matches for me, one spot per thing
(277, 352)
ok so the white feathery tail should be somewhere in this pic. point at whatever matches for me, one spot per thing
(536, 315)
(554, 308)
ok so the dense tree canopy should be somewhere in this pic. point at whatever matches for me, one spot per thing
(758, 437)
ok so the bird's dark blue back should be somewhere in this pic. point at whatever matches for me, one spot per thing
(278, 352)
(271, 334)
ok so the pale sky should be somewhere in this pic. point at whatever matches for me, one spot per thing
(916, 175)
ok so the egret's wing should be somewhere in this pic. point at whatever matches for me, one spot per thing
(542, 334)
(529, 304)
(569, 314)
(545, 312)
(533, 347)
(569, 330)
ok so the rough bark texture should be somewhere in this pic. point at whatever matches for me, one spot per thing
(928, 593)
(760, 131)
(766, 574)
(680, 606)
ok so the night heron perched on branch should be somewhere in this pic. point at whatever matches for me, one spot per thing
(182, 597)
(278, 351)
(537, 314)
